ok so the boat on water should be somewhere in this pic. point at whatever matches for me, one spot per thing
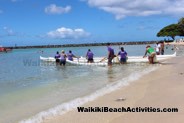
(102, 61)
(3, 49)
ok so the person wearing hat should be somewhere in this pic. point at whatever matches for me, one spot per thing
(63, 58)
(152, 54)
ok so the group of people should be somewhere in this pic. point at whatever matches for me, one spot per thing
(122, 53)
(61, 57)
(159, 50)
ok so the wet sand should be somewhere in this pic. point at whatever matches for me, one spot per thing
(163, 88)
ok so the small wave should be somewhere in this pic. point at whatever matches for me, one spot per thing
(65, 107)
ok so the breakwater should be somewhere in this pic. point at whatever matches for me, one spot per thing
(83, 45)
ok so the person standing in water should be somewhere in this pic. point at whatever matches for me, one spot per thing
(162, 47)
(89, 56)
(70, 55)
(57, 57)
(63, 58)
(110, 55)
(157, 48)
(152, 54)
(123, 56)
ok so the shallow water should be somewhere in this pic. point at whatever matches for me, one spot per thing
(29, 86)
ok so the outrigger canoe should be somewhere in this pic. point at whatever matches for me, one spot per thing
(100, 61)
(80, 61)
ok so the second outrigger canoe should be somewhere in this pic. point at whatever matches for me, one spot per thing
(100, 61)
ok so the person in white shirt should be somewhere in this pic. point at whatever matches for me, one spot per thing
(157, 48)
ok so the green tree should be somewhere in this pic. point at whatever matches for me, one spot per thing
(172, 31)
(181, 25)
(181, 21)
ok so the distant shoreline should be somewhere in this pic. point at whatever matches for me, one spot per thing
(84, 45)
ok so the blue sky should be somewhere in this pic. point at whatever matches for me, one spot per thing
(42, 22)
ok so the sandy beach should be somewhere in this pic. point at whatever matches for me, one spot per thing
(163, 88)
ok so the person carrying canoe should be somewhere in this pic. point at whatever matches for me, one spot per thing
(57, 57)
(152, 54)
(123, 56)
(70, 55)
(110, 54)
(89, 56)
(63, 58)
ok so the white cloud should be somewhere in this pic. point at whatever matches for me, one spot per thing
(124, 8)
(53, 9)
(67, 33)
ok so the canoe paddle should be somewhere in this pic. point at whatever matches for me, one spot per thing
(103, 59)
(117, 59)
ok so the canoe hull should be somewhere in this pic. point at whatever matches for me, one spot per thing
(97, 60)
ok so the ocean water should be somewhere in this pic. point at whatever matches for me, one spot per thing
(31, 90)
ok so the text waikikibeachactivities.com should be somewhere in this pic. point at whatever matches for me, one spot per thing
(30, 62)
(126, 109)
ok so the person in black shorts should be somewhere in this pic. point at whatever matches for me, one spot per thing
(89, 56)
(57, 57)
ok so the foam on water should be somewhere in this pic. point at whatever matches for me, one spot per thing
(65, 107)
